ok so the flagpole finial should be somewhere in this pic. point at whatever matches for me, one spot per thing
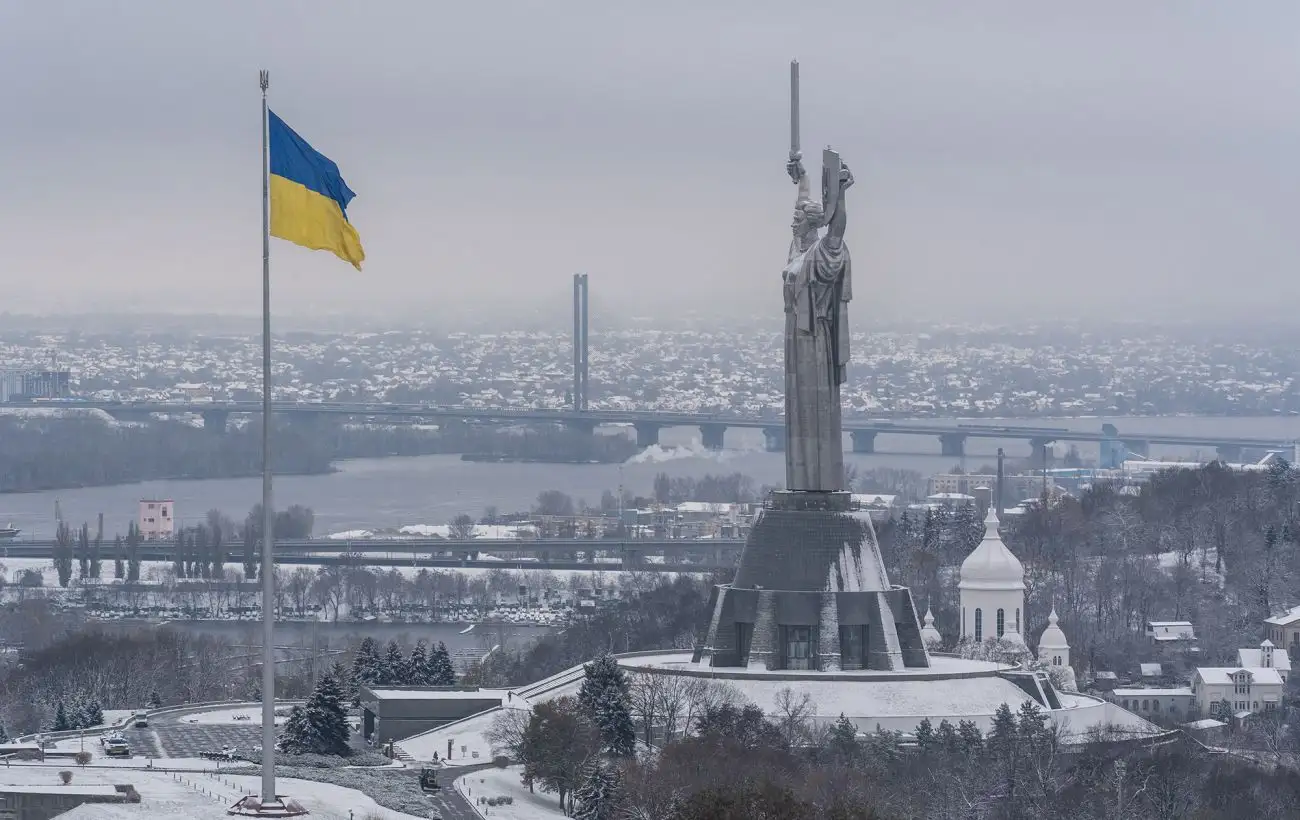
(264, 79)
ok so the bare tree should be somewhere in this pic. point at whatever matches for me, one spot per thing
(792, 715)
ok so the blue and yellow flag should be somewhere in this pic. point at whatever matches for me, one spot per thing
(309, 199)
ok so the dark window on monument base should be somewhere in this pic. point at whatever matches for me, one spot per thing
(797, 645)
(744, 634)
(853, 647)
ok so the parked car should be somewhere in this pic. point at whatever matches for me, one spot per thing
(117, 747)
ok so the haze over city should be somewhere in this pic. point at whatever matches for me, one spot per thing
(1015, 160)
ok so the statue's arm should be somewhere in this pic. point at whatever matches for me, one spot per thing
(835, 230)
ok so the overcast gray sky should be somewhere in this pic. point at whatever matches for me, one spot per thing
(1110, 158)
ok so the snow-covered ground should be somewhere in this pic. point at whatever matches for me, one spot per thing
(506, 783)
(466, 736)
(197, 795)
(231, 717)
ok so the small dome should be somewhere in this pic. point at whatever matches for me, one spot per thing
(929, 634)
(1052, 637)
(992, 565)
(1267, 644)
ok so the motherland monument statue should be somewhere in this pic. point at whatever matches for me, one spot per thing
(817, 285)
(811, 592)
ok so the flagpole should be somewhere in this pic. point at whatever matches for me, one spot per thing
(268, 515)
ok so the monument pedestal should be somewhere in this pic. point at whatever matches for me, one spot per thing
(252, 806)
(811, 593)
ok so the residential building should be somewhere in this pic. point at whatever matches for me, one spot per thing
(1284, 630)
(1267, 656)
(1173, 704)
(1171, 632)
(157, 519)
(1016, 486)
(1245, 690)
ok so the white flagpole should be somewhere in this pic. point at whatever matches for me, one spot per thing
(268, 516)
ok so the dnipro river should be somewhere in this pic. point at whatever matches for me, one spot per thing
(392, 492)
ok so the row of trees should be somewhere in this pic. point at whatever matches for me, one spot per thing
(87, 554)
(422, 667)
(733, 761)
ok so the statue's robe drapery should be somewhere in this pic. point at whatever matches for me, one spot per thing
(818, 287)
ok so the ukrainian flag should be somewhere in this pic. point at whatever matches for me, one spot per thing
(309, 199)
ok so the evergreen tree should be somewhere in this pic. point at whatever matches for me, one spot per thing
(925, 737)
(91, 714)
(83, 551)
(599, 793)
(250, 553)
(4, 735)
(1002, 735)
(843, 740)
(343, 676)
(319, 726)
(948, 738)
(440, 672)
(606, 699)
(417, 665)
(367, 666)
(61, 723)
(1031, 722)
(155, 701)
(63, 553)
(972, 739)
(394, 665)
(133, 553)
(119, 564)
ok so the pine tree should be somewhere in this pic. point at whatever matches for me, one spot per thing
(4, 735)
(948, 738)
(61, 723)
(119, 565)
(925, 737)
(319, 726)
(843, 740)
(367, 667)
(343, 676)
(972, 739)
(606, 699)
(394, 665)
(441, 672)
(1031, 722)
(92, 714)
(417, 665)
(600, 792)
(1002, 735)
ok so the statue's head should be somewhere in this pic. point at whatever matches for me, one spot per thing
(808, 216)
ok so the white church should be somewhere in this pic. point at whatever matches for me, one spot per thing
(992, 600)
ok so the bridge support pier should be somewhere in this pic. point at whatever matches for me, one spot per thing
(632, 558)
(587, 426)
(1229, 453)
(774, 439)
(1040, 452)
(214, 421)
(953, 444)
(712, 434)
(647, 434)
(864, 441)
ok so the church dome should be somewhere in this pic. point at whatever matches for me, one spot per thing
(1052, 637)
(929, 633)
(991, 565)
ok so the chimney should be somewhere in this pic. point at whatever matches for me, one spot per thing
(999, 491)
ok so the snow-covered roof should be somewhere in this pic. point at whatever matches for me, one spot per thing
(1150, 670)
(1152, 693)
(1289, 618)
(439, 694)
(991, 565)
(1205, 723)
(1222, 675)
(1255, 658)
